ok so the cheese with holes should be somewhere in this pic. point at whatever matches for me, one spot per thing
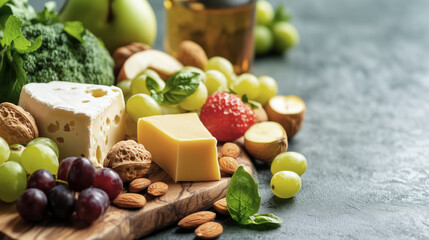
(83, 119)
(181, 145)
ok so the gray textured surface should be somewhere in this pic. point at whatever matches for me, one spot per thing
(363, 69)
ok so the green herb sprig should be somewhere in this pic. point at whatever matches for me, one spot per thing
(178, 87)
(243, 202)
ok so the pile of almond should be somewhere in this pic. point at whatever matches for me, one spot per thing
(228, 163)
(203, 224)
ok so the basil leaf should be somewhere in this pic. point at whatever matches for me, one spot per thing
(158, 96)
(75, 29)
(180, 86)
(151, 84)
(268, 219)
(242, 197)
(48, 16)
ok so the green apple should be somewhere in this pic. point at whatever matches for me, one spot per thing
(116, 22)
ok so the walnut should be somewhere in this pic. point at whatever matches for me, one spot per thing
(192, 54)
(123, 53)
(17, 125)
(129, 159)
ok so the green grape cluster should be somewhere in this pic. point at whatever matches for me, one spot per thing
(273, 32)
(287, 168)
(17, 160)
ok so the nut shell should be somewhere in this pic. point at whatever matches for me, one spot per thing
(16, 124)
(129, 159)
(192, 54)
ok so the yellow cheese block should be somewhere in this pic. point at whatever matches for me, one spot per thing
(181, 145)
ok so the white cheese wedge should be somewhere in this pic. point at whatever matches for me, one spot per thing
(84, 119)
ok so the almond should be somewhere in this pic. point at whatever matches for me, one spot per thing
(230, 149)
(196, 219)
(130, 200)
(228, 165)
(209, 230)
(192, 54)
(221, 207)
(157, 189)
(16, 124)
(139, 184)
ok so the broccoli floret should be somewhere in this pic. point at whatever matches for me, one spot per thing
(61, 57)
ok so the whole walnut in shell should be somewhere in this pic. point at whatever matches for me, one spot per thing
(17, 125)
(129, 159)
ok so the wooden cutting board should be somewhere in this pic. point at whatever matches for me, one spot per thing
(181, 199)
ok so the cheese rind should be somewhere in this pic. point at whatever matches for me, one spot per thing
(83, 119)
(181, 145)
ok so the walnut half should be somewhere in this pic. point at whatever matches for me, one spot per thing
(17, 125)
(129, 159)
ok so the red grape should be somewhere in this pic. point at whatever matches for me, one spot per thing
(64, 167)
(91, 204)
(81, 174)
(61, 202)
(42, 179)
(32, 204)
(109, 181)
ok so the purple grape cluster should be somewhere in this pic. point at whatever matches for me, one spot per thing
(96, 189)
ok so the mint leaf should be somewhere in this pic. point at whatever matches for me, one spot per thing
(180, 86)
(17, 8)
(242, 196)
(75, 29)
(48, 15)
(12, 33)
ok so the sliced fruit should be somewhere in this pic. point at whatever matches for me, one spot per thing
(164, 64)
(265, 140)
(289, 111)
(261, 115)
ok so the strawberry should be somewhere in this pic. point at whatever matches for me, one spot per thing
(226, 116)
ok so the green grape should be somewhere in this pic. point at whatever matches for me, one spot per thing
(215, 81)
(39, 156)
(142, 105)
(16, 152)
(170, 109)
(222, 65)
(264, 12)
(267, 89)
(196, 100)
(263, 40)
(138, 85)
(47, 142)
(285, 184)
(289, 161)
(13, 181)
(125, 86)
(247, 84)
(4, 150)
(195, 69)
(285, 36)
